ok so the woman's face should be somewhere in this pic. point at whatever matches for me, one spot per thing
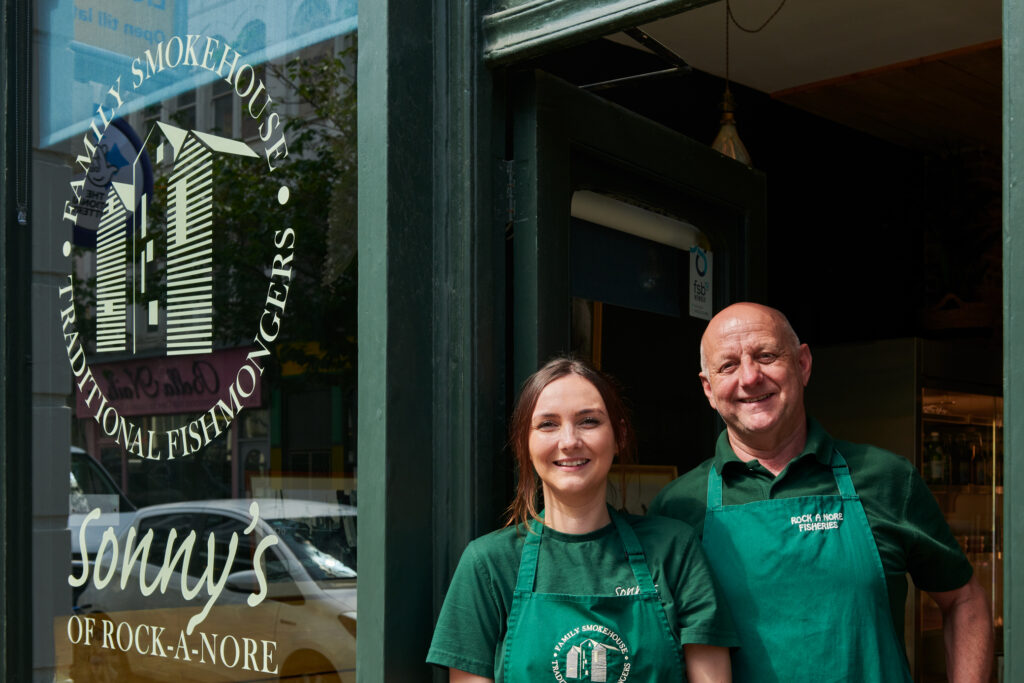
(572, 442)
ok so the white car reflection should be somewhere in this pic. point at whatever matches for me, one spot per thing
(304, 629)
(91, 486)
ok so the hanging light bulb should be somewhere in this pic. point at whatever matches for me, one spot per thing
(728, 139)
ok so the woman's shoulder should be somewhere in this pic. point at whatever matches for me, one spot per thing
(497, 546)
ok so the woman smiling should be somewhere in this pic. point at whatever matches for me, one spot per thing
(578, 591)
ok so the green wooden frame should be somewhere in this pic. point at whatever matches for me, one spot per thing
(431, 322)
(1013, 338)
(394, 328)
(15, 351)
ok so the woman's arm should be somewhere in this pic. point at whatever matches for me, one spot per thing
(705, 664)
(456, 676)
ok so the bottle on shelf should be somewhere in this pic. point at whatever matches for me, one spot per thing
(981, 463)
(935, 460)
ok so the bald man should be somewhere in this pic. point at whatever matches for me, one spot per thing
(811, 537)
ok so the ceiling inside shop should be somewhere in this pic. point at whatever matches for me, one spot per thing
(921, 73)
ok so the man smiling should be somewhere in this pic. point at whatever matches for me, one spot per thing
(810, 537)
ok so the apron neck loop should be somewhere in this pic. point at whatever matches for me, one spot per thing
(714, 488)
(841, 472)
(837, 462)
(635, 553)
(526, 580)
(531, 551)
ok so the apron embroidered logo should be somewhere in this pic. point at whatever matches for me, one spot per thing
(591, 653)
(817, 522)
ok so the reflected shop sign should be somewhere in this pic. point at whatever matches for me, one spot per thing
(154, 284)
(171, 385)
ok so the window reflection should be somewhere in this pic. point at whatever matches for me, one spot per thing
(212, 482)
(324, 546)
(304, 624)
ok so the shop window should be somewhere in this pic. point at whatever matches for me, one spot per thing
(223, 105)
(201, 299)
(185, 111)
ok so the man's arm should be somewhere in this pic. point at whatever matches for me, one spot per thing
(967, 632)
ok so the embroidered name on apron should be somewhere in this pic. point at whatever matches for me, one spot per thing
(817, 522)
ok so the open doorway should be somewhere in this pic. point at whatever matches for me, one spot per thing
(878, 130)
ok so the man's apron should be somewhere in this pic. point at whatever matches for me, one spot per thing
(563, 637)
(804, 581)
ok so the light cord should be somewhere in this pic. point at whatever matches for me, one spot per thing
(730, 15)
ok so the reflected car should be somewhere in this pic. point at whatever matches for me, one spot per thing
(231, 590)
(90, 487)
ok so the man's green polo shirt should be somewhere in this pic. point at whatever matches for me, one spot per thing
(910, 531)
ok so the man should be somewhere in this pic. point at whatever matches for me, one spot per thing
(810, 537)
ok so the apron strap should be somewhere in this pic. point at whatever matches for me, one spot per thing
(841, 472)
(714, 489)
(526, 579)
(635, 552)
(528, 560)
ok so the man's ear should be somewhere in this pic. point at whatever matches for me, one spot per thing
(706, 384)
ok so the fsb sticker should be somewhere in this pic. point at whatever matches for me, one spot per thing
(700, 283)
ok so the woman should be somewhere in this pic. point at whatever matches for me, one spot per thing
(578, 591)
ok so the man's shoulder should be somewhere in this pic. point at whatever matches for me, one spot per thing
(685, 498)
(883, 479)
(865, 458)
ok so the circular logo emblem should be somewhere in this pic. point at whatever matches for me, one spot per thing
(700, 261)
(150, 276)
(591, 653)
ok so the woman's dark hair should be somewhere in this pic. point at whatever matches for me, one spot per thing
(524, 505)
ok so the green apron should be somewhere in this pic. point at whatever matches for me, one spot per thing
(560, 637)
(804, 581)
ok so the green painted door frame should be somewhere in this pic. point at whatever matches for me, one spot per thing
(431, 319)
(395, 361)
(15, 350)
(1013, 337)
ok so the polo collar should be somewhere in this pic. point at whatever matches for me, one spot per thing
(819, 445)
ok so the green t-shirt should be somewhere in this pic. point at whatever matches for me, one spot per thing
(909, 529)
(473, 619)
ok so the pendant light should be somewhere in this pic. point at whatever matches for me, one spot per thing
(728, 139)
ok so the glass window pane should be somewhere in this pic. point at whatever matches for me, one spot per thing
(199, 272)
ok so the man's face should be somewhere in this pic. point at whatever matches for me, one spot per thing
(755, 375)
